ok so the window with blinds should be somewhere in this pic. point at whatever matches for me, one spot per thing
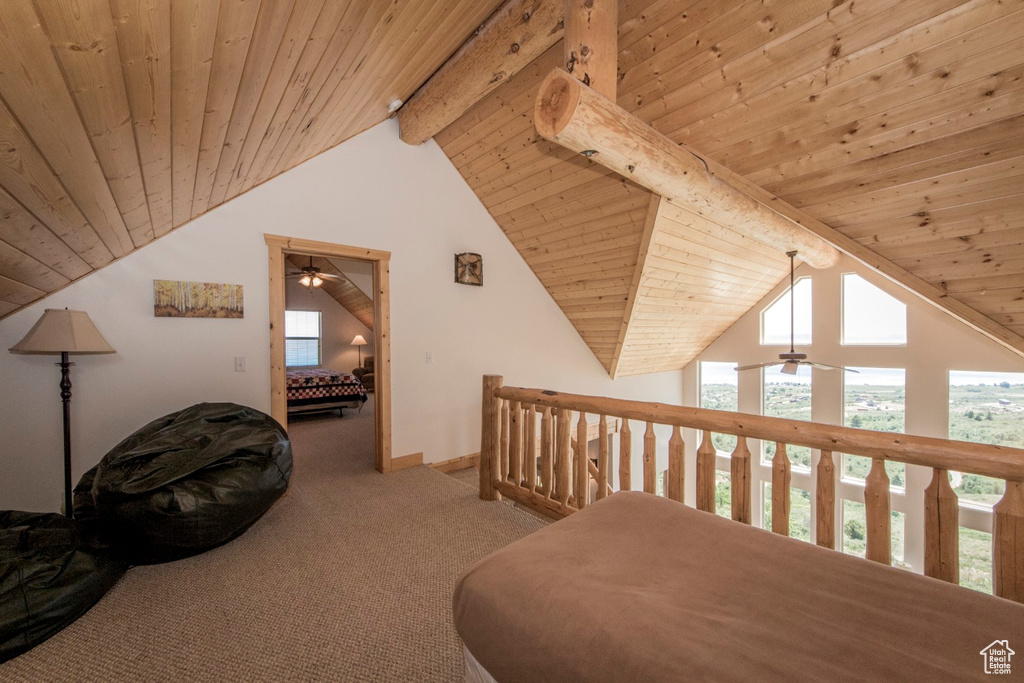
(302, 339)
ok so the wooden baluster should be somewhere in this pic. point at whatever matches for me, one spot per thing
(1008, 543)
(504, 440)
(490, 467)
(706, 454)
(781, 476)
(530, 447)
(876, 510)
(546, 453)
(625, 456)
(602, 458)
(650, 460)
(515, 443)
(825, 534)
(562, 473)
(582, 459)
(676, 466)
(941, 529)
(740, 471)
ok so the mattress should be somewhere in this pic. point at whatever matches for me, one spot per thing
(319, 387)
(640, 588)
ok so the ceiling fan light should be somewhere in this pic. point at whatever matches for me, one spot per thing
(305, 280)
(790, 367)
(317, 281)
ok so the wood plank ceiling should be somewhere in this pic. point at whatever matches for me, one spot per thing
(123, 119)
(900, 125)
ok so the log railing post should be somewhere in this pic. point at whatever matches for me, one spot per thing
(941, 529)
(602, 458)
(515, 443)
(504, 440)
(781, 476)
(562, 474)
(676, 467)
(877, 513)
(625, 456)
(650, 460)
(582, 491)
(1008, 543)
(740, 485)
(547, 460)
(490, 429)
(530, 447)
(706, 455)
(825, 500)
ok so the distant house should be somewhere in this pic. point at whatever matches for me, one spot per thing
(1004, 401)
(997, 657)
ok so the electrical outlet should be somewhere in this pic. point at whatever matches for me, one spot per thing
(430, 357)
(239, 363)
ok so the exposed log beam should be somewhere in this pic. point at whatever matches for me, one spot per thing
(626, 139)
(515, 35)
(591, 52)
(580, 119)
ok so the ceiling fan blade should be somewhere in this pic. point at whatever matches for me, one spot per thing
(824, 366)
(328, 276)
(759, 365)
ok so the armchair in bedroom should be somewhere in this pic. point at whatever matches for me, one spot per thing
(365, 373)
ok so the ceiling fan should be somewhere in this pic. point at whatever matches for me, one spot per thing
(310, 276)
(792, 361)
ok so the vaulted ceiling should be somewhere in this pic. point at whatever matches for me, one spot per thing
(123, 119)
(899, 125)
(896, 128)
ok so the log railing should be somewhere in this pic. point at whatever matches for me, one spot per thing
(551, 473)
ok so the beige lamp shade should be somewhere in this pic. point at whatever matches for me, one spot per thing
(60, 331)
(359, 341)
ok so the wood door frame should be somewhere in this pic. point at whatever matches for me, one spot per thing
(277, 248)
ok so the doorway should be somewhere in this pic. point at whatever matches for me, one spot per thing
(278, 249)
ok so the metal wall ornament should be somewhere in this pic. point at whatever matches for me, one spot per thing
(469, 269)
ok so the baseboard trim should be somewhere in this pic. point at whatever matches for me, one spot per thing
(406, 461)
(455, 464)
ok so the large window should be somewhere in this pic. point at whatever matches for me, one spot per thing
(875, 398)
(775, 318)
(719, 384)
(788, 396)
(870, 316)
(302, 339)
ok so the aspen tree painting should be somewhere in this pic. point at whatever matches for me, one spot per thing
(176, 299)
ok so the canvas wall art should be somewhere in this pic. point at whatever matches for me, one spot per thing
(177, 299)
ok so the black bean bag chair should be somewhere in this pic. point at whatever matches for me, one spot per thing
(187, 482)
(50, 574)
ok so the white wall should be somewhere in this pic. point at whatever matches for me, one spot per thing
(338, 326)
(373, 191)
(936, 344)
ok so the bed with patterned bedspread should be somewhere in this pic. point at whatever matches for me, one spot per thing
(321, 389)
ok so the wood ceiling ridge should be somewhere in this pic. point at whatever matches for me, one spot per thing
(894, 139)
(877, 54)
(870, 110)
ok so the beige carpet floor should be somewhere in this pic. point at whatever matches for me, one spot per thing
(347, 578)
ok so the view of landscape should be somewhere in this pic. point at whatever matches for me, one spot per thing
(983, 408)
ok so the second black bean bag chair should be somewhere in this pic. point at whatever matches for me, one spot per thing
(49, 576)
(186, 482)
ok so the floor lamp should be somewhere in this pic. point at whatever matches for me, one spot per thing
(359, 343)
(64, 332)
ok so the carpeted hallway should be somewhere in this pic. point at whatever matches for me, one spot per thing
(347, 578)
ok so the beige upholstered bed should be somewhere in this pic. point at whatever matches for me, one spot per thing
(640, 588)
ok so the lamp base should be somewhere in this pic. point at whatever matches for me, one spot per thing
(65, 397)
